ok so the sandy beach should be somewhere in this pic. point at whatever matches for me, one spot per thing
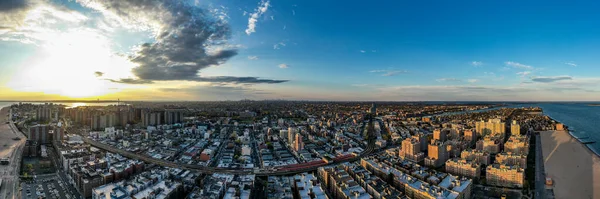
(573, 167)
(7, 144)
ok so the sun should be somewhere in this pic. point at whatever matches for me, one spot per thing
(66, 66)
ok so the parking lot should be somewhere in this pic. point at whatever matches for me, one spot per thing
(47, 187)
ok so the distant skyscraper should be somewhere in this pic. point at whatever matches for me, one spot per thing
(373, 109)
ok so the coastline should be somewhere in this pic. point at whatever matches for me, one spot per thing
(589, 148)
(573, 166)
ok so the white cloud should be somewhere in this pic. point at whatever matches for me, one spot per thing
(363, 51)
(293, 12)
(448, 80)
(283, 66)
(253, 57)
(476, 63)
(473, 80)
(524, 73)
(278, 45)
(262, 8)
(389, 73)
(518, 65)
(571, 64)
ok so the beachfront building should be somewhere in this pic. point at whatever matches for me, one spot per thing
(508, 158)
(505, 176)
(518, 145)
(462, 167)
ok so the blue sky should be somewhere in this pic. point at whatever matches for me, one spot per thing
(319, 50)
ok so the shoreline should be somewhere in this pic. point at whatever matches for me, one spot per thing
(574, 168)
(587, 146)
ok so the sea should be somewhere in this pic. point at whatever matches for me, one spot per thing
(582, 119)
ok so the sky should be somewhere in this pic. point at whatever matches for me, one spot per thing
(171, 50)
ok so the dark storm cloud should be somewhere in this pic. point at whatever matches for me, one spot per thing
(240, 80)
(13, 5)
(215, 79)
(131, 81)
(188, 39)
(13, 12)
(98, 74)
(550, 79)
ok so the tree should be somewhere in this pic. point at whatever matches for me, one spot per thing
(29, 167)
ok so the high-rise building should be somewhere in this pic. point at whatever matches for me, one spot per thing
(518, 145)
(515, 129)
(489, 144)
(462, 167)
(292, 131)
(477, 156)
(505, 176)
(39, 133)
(470, 136)
(152, 118)
(173, 116)
(437, 154)
(298, 144)
(439, 135)
(44, 113)
(510, 159)
(373, 109)
(411, 150)
(101, 121)
(422, 139)
(492, 127)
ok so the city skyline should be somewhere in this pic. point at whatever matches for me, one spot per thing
(306, 50)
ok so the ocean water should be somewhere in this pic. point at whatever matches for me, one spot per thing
(582, 118)
(3, 104)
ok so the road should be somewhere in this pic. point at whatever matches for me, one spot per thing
(540, 175)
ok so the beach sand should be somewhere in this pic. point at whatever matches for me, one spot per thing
(7, 144)
(574, 169)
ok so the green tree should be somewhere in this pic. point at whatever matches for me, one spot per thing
(29, 167)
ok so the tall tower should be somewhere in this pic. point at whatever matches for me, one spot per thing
(373, 109)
